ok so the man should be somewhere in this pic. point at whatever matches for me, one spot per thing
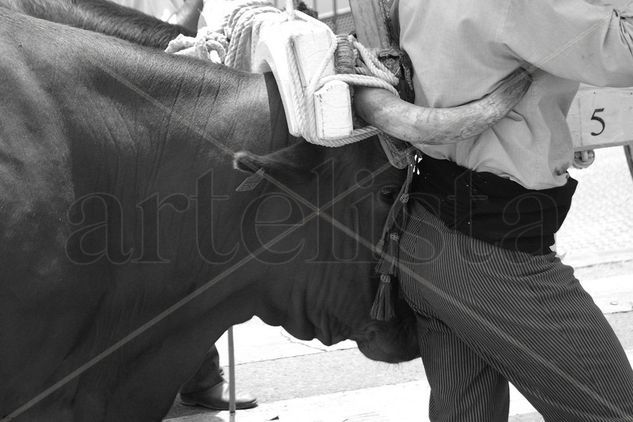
(494, 303)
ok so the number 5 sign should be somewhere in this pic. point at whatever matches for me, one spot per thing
(601, 117)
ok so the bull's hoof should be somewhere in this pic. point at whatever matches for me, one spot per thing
(217, 398)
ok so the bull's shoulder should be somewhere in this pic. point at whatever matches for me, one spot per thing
(35, 187)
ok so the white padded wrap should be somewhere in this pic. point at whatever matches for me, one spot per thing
(299, 50)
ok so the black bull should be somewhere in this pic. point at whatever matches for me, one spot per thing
(125, 246)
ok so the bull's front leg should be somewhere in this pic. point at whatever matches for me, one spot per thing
(172, 357)
(154, 378)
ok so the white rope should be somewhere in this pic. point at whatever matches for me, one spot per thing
(379, 77)
(215, 46)
(371, 65)
(232, 48)
(206, 45)
(239, 28)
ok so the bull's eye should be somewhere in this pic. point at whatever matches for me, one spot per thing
(388, 194)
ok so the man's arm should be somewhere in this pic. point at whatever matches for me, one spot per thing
(572, 39)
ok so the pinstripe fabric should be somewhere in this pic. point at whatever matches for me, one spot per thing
(487, 315)
(464, 387)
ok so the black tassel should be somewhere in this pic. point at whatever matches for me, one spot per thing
(389, 248)
(382, 309)
(388, 263)
(393, 252)
(387, 267)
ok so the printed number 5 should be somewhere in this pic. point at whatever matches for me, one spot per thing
(598, 119)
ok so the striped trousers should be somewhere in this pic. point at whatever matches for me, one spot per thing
(488, 315)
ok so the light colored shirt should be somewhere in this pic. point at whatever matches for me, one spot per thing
(462, 49)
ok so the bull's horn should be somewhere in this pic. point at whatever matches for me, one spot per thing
(436, 126)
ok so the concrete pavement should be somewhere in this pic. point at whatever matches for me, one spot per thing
(599, 226)
(297, 381)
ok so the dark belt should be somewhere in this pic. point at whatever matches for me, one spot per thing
(491, 208)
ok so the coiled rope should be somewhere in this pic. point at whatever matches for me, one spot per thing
(369, 72)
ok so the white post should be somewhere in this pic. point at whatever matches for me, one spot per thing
(335, 15)
(231, 372)
(290, 8)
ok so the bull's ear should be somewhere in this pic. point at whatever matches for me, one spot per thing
(298, 159)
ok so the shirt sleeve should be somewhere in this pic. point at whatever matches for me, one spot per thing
(572, 39)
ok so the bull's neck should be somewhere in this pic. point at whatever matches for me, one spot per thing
(175, 99)
(143, 125)
(132, 108)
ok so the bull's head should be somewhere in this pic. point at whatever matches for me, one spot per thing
(323, 280)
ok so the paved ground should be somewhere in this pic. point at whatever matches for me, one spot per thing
(299, 381)
(599, 227)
